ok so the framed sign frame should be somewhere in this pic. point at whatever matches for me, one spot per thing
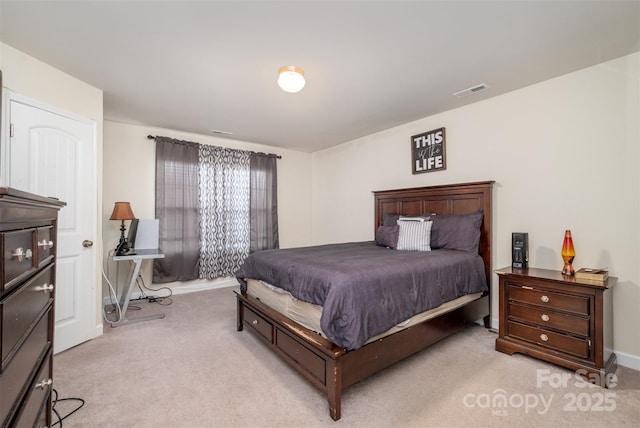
(428, 151)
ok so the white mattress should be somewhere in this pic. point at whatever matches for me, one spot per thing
(308, 315)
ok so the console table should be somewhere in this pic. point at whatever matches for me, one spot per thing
(137, 257)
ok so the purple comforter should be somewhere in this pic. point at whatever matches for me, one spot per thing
(366, 289)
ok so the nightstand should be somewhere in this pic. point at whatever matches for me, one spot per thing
(559, 319)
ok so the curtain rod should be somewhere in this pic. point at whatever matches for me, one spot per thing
(152, 137)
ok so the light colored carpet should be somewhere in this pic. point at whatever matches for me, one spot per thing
(193, 369)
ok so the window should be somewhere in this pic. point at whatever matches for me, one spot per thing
(215, 205)
(224, 204)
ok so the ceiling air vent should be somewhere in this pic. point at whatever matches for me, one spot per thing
(472, 90)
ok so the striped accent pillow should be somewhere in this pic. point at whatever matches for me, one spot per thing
(414, 235)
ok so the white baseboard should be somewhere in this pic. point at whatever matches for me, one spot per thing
(495, 323)
(191, 287)
(628, 360)
(202, 286)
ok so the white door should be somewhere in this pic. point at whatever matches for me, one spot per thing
(53, 154)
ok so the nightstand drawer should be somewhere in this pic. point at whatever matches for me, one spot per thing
(546, 298)
(550, 319)
(259, 324)
(549, 339)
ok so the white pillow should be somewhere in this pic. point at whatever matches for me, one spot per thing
(414, 235)
(418, 218)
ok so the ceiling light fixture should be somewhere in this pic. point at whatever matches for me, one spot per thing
(291, 79)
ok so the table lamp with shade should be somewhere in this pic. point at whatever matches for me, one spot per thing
(122, 211)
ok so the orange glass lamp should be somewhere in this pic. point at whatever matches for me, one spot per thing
(122, 211)
(568, 254)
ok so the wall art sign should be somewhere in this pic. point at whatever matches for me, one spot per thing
(428, 151)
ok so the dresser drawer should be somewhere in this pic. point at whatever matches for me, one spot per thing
(259, 324)
(545, 298)
(20, 369)
(34, 411)
(44, 244)
(550, 319)
(549, 339)
(20, 310)
(18, 258)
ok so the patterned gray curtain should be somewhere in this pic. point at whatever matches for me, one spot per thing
(177, 210)
(224, 210)
(264, 202)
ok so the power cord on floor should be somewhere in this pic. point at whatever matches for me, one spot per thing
(113, 295)
(161, 300)
(56, 400)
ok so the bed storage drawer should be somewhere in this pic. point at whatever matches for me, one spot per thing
(259, 324)
(302, 356)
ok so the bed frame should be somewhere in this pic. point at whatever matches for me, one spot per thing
(331, 368)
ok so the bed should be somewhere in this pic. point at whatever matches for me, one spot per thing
(333, 365)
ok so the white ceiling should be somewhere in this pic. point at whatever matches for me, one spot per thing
(197, 66)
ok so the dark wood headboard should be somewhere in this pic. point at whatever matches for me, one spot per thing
(446, 199)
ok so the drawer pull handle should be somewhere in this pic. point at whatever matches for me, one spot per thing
(44, 383)
(21, 254)
(545, 298)
(544, 337)
(544, 317)
(46, 288)
(254, 322)
(45, 245)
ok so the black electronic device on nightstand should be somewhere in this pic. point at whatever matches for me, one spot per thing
(520, 250)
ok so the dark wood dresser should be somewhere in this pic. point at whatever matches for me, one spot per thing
(558, 319)
(28, 232)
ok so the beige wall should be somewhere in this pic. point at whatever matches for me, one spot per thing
(32, 78)
(565, 154)
(129, 175)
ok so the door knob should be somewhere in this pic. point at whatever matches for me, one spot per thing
(86, 243)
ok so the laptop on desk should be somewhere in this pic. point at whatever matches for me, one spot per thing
(143, 237)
